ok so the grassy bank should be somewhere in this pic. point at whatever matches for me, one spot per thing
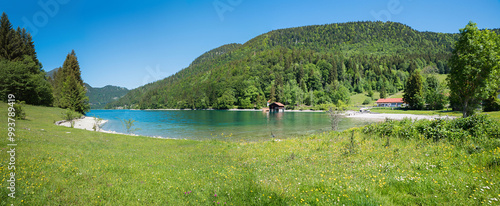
(64, 166)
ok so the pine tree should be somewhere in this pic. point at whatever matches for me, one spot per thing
(69, 91)
(20, 71)
(333, 73)
(413, 93)
(28, 46)
(383, 92)
(14, 44)
(273, 93)
(6, 35)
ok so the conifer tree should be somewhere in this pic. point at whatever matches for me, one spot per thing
(20, 71)
(6, 35)
(383, 92)
(413, 93)
(69, 91)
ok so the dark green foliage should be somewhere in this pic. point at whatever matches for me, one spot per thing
(492, 103)
(476, 128)
(69, 91)
(383, 92)
(15, 43)
(18, 109)
(368, 100)
(20, 71)
(99, 97)
(475, 66)
(434, 94)
(370, 93)
(298, 66)
(25, 80)
(413, 93)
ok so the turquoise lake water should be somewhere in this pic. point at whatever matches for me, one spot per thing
(235, 125)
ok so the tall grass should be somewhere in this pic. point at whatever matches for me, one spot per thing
(65, 166)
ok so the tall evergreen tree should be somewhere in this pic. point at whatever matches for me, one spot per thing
(69, 91)
(6, 36)
(273, 93)
(20, 71)
(383, 92)
(413, 92)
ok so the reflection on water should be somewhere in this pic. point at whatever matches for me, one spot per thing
(238, 125)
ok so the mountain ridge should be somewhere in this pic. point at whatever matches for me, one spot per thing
(307, 65)
(100, 96)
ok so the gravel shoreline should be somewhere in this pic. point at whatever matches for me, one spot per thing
(352, 114)
(86, 123)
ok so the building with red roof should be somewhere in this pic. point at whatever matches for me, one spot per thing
(390, 102)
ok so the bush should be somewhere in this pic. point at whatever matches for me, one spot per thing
(367, 101)
(370, 93)
(69, 115)
(476, 127)
(18, 108)
(492, 103)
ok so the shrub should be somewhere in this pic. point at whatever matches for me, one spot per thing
(129, 124)
(476, 127)
(335, 114)
(70, 115)
(367, 101)
(370, 93)
(18, 108)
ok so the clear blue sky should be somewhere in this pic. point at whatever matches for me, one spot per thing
(130, 43)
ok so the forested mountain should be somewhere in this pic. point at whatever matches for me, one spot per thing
(307, 65)
(99, 97)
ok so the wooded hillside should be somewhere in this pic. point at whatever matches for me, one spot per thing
(300, 66)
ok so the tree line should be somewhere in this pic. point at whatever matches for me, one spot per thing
(21, 73)
(474, 78)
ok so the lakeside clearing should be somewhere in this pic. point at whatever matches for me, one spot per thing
(66, 166)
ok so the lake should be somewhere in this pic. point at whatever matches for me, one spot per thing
(235, 125)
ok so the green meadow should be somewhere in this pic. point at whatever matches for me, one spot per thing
(390, 163)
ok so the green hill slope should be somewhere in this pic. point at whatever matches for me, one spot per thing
(307, 65)
(99, 97)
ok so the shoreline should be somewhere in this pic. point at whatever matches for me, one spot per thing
(87, 123)
(383, 116)
(233, 110)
